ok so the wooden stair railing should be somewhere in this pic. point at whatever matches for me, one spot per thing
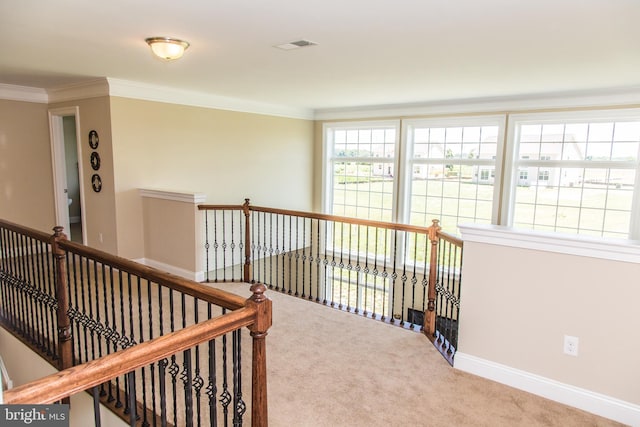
(75, 304)
(398, 273)
(256, 314)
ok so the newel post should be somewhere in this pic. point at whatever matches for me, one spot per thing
(262, 304)
(430, 315)
(65, 353)
(247, 241)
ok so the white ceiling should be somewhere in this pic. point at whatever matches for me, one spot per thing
(369, 52)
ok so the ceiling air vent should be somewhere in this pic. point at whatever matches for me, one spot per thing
(295, 44)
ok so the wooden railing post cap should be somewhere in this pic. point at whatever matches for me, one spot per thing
(258, 290)
(263, 305)
(58, 232)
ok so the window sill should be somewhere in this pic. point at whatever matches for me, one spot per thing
(610, 249)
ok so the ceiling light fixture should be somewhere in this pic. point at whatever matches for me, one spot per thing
(166, 47)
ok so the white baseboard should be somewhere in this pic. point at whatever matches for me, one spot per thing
(197, 276)
(599, 404)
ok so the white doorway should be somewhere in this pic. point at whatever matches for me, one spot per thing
(66, 154)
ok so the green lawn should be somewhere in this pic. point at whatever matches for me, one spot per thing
(462, 201)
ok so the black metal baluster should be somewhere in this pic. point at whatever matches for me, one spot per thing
(114, 337)
(145, 421)
(297, 256)
(440, 321)
(241, 244)
(341, 264)
(31, 289)
(284, 255)
(198, 382)
(366, 270)
(425, 277)
(53, 303)
(394, 276)
(74, 310)
(215, 245)
(43, 285)
(173, 367)
(414, 277)
(131, 402)
(277, 279)
(96, 407)
(374, 311)
(91, 323)
(123, 341)
(104, 328)
(238, 404)
(162, 364)
(350, 269)
(385, 276)
(304, 257)
(186, 378)
(320, 269)
(290, 254)
(152, 366)
(255, 245)
(232, 247)
(212, 388)
(270, 284)
(21, 295)
(225, 397)
(206, 245)
(224, 247)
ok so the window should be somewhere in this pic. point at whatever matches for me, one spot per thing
(452, 166)
(361, 175)
(569, 172)
(587, 172)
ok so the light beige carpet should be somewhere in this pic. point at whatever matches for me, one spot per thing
(332, 368)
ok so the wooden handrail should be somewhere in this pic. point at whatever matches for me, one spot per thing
(345, 219)
(211, 295)
(83, 377)
(31, 232)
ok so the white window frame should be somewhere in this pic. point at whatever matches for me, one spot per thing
(463, 121)
(512, 164)
(328, 158)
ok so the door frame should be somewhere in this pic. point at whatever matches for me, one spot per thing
(59, 167)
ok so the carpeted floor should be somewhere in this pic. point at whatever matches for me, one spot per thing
(332, 368)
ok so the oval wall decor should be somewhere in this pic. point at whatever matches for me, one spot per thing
(93, 139)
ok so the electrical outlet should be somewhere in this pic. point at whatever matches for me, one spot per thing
(571, 345)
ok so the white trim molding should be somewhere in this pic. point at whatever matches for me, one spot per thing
(595, 403)
(144, 91)
(196, 276)
(23, 93)
(176, 196)
(499, 104)
(587, 246)
(81, 90)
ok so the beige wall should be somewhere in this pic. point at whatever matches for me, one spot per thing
(171, 233)
(517, 305)
(224, 154)
(26, 180)
(99, 207)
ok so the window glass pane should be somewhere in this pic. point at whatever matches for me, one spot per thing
(576, 198)
(447, 185)
(363, 188)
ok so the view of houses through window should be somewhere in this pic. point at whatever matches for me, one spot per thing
(562, 172)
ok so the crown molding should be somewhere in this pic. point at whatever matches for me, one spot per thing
(82, 90)
(147, 92)
(23, 93)
(558, 100)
